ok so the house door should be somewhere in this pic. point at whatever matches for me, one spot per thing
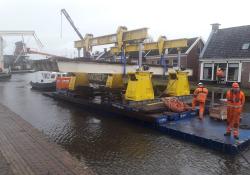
(223, 67)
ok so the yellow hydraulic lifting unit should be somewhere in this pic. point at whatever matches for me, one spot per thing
(79, 79)
(139, 86)
(178, 84)
(114, 81)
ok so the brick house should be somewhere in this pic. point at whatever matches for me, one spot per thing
(229, 49)
(189, 57)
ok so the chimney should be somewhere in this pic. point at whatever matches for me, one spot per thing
(215, 26)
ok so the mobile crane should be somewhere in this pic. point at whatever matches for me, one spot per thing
(63, 11)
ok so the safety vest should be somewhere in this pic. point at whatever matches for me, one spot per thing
(201, 94)
(234, 98)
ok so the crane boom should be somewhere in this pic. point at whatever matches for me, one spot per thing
(30, 51)
(71, 23)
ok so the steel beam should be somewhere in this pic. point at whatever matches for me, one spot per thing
(178, 43)
(104, 68)
(138, 34)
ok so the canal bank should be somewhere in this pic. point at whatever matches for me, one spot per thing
(24, 150)
(110, 145)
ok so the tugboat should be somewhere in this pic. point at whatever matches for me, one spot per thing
(45, 80)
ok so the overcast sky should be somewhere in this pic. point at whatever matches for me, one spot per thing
(172, 18)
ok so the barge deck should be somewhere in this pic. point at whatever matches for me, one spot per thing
(208, 133)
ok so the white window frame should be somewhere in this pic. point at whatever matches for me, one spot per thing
(239, 73)
(202, 72)
(218, 62)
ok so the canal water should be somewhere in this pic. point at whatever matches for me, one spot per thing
(112, 145)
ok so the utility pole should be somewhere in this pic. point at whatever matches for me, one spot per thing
(140, 55)
(179, 58)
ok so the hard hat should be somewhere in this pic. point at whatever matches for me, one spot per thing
(235, 85)
(200, 84)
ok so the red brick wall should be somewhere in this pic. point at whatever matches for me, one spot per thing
(183, 61)
(245, 75)
(190, 61)
(193, 61)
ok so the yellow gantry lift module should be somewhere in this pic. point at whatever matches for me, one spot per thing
(114, 81)
(139, 83)
(78, 79)
(139, 86)
(120, 38)
(178, 84)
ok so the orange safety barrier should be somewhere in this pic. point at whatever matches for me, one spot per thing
(62, 83)
(175, 105)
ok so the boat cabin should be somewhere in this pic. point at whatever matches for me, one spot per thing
(47, 77)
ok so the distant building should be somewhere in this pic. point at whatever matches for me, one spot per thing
(229, 49)
(19, 60)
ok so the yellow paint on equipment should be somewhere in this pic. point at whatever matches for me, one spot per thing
(139, 86)
(80, 79)
(121, 36)
(114, 81)
(161, 45)
(178, 84)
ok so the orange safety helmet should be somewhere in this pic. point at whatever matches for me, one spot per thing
(235, 85)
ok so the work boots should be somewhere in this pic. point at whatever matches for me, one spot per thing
(236, 134)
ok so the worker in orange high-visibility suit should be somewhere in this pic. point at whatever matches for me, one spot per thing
(235, 101)
(200, 96)
(219, 74)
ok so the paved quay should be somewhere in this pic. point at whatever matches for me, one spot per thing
(25, 150)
